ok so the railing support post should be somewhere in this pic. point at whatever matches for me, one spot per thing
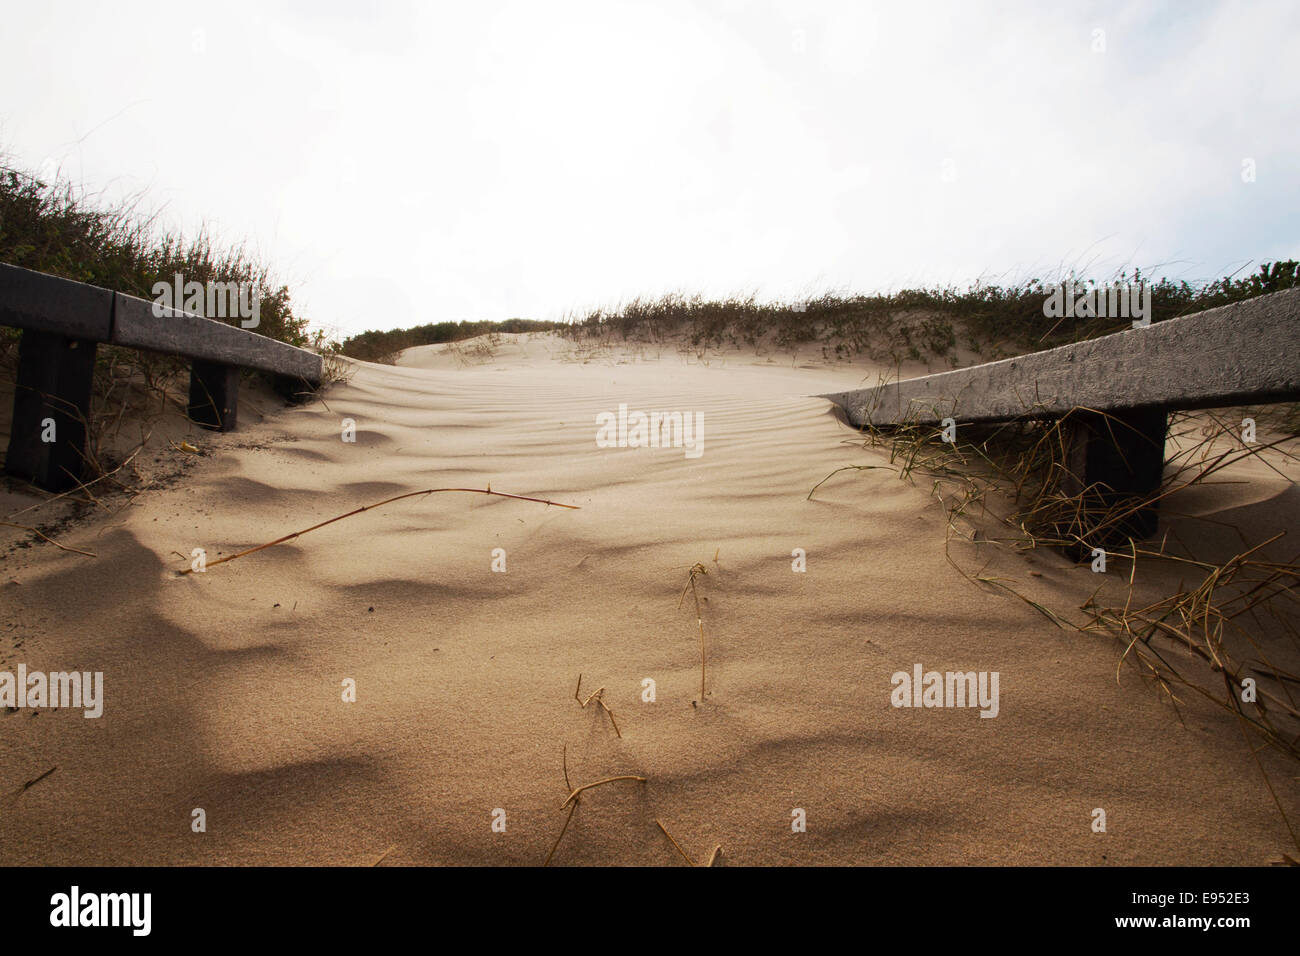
(214, 395)
(47, 438)
(293, 390)
(1113, 460)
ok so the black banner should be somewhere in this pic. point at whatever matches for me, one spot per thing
(575, 905)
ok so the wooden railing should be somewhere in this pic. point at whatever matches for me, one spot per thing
(1116, 390)
(64, 322)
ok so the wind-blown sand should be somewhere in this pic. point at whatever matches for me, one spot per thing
(223, 690)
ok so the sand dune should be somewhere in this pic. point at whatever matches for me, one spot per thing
(223, 689)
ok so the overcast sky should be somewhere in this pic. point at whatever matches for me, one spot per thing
(402, 163)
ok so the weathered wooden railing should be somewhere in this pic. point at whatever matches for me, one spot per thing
(63, 323)
(1116, 390)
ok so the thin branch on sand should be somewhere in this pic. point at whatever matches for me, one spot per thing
(379, 504)
(45, 537)
(33, 782)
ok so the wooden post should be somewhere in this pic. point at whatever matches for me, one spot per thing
(214, 395)
(1112, 459)
(47, 439)
(292, 389)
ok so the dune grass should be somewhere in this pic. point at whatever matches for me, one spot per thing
(385, 345)
(55, 227)
(989, 319)
(58, 228)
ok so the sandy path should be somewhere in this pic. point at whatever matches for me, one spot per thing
(223, 689)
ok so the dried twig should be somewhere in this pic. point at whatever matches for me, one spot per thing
(34, 781)
(39, 534)
(379, 504)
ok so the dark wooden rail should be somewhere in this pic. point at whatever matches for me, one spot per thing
(63, 323)
(1116, 390)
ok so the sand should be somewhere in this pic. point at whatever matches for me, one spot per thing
(224, 690)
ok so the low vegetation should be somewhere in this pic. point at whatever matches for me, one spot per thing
(56, 228)
(990, 320)
(52, 226)
(384, 346)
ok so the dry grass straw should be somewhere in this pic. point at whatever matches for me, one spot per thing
(599, 698)
(1222, 613)
(575, 795)
(378, 504)
(698, 570)
(476, 351)
(713, 856)
(44, 537)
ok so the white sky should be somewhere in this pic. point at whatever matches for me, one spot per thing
(401, 163)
